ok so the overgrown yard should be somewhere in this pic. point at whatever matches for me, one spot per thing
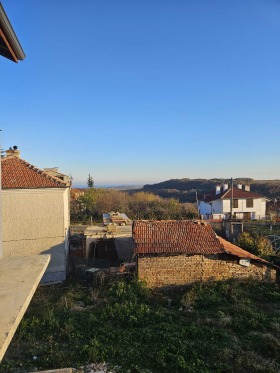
(263, 228)
(214, 327)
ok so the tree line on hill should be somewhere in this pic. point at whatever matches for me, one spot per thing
(94, 202)
(185, 190)
(171, 199)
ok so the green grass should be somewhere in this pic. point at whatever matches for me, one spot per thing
(212, 327)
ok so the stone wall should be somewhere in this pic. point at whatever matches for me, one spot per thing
(181, 269)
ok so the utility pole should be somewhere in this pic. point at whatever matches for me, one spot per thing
(195, 190)
(231, 199)
(197, 204)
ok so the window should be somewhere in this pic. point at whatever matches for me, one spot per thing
(235, 203)
(249, 203)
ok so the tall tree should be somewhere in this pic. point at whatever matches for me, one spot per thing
(90, 181)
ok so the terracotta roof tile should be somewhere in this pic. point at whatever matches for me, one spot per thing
(237, 251)
(183, 237)
(19, 174)
(175, 237)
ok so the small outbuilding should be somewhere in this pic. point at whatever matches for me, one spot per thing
(173, 252)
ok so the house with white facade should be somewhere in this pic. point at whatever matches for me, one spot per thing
(35, 214)
(245, 204)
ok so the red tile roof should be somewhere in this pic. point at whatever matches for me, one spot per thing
(175, 237)
(237, 251)
(237, 194)
(183, 237)
(19, 174)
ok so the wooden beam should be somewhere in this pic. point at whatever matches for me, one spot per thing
(8, 45)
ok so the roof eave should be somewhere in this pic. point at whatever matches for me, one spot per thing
(10, 36)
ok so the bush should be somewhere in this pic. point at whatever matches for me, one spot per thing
(255, 244)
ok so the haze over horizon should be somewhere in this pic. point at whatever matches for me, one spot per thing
(142, 92)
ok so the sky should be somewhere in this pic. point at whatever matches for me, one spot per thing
(142, 91)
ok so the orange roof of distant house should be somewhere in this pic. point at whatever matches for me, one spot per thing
(75, 193)
(175, 237)
(19, 174)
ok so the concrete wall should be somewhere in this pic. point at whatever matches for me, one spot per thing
(181, 270)
(36, 221)
(122, 236)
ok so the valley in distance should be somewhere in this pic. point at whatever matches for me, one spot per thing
(185, 189)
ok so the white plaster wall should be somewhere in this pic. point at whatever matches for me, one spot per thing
(258, 210)
(217, 206)
(36, 221)
(204, 208)
(66, 204)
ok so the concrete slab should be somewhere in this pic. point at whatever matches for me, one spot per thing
(19, 278)
(95, 230)
(122, 235)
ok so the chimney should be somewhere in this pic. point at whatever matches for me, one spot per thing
(13, 152)
(225, 187)
(218, 189)
(247, 187)
(239, 186)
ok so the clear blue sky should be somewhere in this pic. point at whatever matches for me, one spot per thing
(142, 91)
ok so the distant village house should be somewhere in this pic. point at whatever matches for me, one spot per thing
(245, 204)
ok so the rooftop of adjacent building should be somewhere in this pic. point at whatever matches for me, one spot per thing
(9, 44)
(20, 174)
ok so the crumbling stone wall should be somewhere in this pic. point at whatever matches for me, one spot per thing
(182, 269)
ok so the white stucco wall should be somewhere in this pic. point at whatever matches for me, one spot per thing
(204, 208)
(258, 210)
(36, 221)
(217, 206)
(222, 207)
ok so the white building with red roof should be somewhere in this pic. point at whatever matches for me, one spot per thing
(35, 212)
(245, 204)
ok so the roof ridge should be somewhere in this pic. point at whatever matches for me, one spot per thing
(42, 172)
(27, 175)
(175, 237)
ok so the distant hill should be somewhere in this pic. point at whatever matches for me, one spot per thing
(105, 186)
(185, 189)
(124, 187)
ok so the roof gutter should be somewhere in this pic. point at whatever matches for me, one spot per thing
(10, 35)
